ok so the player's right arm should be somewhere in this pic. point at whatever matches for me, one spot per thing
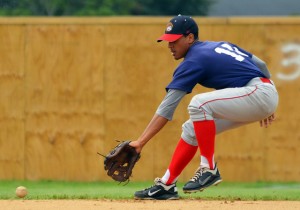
(168, 106)
(163, 114)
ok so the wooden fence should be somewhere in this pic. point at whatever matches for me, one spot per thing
(71, 86)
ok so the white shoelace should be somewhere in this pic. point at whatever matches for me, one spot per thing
(198, 173)
(155, 183)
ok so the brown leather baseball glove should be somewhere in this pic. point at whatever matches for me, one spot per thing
(120, 161)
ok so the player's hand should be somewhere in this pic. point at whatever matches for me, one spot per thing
(267, 121)
(137, 145)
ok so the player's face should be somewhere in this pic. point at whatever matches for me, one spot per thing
(180, 47)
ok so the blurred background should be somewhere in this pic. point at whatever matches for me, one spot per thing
(149, 7)
(77, 75)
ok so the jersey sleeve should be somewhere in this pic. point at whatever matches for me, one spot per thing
(167, 107)
(185, 77)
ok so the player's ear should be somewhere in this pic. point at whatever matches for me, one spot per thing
(191, 38)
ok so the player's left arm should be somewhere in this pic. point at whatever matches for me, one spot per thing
(267, 121)
(261, 65)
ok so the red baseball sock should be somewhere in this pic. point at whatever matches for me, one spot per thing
(205, 133)
(183, 154)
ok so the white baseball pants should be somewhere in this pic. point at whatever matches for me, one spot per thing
(231, 107)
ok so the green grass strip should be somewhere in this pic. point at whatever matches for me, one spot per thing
(113, 190)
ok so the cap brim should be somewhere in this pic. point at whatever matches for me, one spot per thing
(169, 37)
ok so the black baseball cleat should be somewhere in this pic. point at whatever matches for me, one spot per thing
(159, 191)
(203, 178)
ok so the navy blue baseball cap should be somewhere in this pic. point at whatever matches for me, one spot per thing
(179, 26)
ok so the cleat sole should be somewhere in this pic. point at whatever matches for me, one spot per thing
(203, 188)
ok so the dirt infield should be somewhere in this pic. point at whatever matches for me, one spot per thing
(145, 205)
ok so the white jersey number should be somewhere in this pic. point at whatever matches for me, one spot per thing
(231, 51)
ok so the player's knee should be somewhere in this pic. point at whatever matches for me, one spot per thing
(188, 133)
(194, 107)
(197, 109)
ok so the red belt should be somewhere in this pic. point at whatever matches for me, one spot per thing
(266, 80)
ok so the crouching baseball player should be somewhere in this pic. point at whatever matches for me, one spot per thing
(243, 94)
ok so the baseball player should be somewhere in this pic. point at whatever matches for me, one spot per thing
(243, 94)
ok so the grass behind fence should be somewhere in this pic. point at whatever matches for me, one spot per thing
(113, 190)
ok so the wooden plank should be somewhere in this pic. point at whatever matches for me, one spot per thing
(64, 100)
(12, 102)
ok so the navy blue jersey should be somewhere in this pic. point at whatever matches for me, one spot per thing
(215, 65)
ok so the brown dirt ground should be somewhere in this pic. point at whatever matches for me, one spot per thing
(145, 205)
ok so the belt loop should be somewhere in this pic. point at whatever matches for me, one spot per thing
(265, 80)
